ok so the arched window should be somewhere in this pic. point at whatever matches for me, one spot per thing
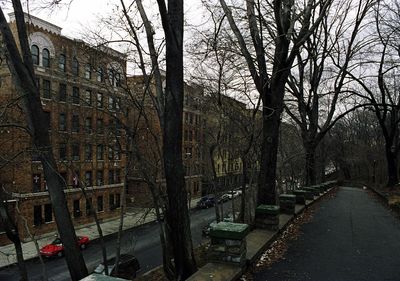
(35, 54)
(46, 58)
(61, 62)
(75, 67)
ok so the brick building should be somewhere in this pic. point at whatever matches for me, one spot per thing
(82, 95)
(149, 142)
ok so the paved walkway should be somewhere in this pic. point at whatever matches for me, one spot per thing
(132, 218)
(351, 238)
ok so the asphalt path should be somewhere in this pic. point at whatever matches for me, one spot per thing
(352, 237)
(142, 241)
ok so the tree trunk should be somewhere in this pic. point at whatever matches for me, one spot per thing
(24, 81)
(177, 213)
(244, 195)
(13, 234)
(272, 109)
(311, 177)
(391, 158)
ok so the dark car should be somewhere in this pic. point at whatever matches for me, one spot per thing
(206, 202)
(128, 267)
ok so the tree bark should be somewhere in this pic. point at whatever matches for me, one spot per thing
(177, 213)
(391, 158)
(311, 173)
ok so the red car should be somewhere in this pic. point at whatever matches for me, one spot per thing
(56, 247)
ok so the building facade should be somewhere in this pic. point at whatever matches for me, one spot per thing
(82, 94)
(148, 171)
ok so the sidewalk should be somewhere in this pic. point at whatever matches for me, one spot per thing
(132, 218)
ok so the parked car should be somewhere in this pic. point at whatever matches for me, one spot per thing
(128, 267)
(56, 248)
(206, 202)
(224, 198)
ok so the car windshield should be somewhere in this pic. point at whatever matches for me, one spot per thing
(56, 241)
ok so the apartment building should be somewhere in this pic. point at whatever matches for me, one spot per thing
(82, 95)
(148, 169)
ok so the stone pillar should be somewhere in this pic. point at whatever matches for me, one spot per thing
(301, 196)
(228, 243)
(287, 203)
(267, 217)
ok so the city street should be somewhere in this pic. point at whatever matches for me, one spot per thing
(142, 241)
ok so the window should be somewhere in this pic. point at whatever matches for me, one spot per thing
(46, 58)
(62, 122)
(64, 177)
(117, 152)
(88, 71)
(37, 182)
(88, 178)
(88, 206)
(75, 67)
(99, 203)
(62, 150)
(111, 104)
(75, 178)
(46, 89)
(110, 153)
(88, 151)
(75, 151)
(118, 176)
(118, 104)
(35, 54)
(88, 125)
(100, 74)
(100, 126)
(48, 213)
(99, 100)
(47, 118)
(118, 127)
(61, 62)
(62, 92)
(117, 200)
(111, 203)
(99, 152)
(99, 177)
(75, 95)
(88, 97)
(111, 179)
(75, 123)
(77, 208)
(37, 215)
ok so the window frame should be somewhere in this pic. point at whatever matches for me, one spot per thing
(62, 62)
(45, 58)
(35, 54)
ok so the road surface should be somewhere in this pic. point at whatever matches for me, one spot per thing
(142, 241)
(352, 237)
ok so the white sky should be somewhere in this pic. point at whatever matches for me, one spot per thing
(77, 17)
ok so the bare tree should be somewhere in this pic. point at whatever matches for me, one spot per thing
(22, 72)
(280, 27)
(379, 86)
(315, 85)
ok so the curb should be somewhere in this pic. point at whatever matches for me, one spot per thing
(105, 237)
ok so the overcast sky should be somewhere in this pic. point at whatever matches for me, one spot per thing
(82, 14)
